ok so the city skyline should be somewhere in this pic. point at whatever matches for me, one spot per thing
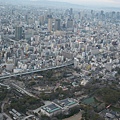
(59, 60)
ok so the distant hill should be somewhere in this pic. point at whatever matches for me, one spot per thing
(55, 4)
(41, 3)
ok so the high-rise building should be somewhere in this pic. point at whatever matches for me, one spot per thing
(42, 20)
(18, 33)
(46, 17)
(57, 24)
(50, 24)
(26, 18)
(69, 23)
(71, 11)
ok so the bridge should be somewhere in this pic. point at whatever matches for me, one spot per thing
(35, 71)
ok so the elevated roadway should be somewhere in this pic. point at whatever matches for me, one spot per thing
(35, 71)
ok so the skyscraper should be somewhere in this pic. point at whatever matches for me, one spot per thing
(69, 23)
(42, 20)
(50, 24)
(57, 24)
(71, 11)
(18, 33)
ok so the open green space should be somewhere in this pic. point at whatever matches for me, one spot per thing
(91, 101)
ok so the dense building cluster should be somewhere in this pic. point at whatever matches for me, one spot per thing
(39, 38)
(35, 38)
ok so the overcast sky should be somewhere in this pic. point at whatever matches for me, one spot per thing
(94, 2)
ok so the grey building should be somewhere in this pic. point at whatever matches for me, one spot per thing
(57, 24)
(50, 24)
(18, 33)
(70, 23)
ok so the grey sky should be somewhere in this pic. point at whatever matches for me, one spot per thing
(93, 2)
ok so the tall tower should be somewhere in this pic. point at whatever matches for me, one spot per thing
(18, 33)
(42, 20)
(50, 24)
(69, 23)
(57, 24)
(71, 11)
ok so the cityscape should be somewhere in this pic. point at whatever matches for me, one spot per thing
(59, 61)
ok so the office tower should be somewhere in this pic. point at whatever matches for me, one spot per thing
(42, 20)
(18, 33)
(118, 15)
(69, 23)
(50, 25)
(71, 11)
(57, 24)
(46, 17)
(26, 18)
(71, 15)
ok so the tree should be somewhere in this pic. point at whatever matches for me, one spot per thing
(108, 95)
(89, 114)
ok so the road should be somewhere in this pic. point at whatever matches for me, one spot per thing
(2, 109)
(35, 71)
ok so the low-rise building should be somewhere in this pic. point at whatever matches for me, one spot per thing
(51, 110)
(59, 106)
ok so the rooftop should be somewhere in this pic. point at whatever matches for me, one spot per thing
(51, 108)
(66, 102)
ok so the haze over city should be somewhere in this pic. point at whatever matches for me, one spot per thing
(59, 60)
(91, 2)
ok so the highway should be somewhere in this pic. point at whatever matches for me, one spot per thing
(35, 71)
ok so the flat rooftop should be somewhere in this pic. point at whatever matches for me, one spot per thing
(51, 108)
(66, 102)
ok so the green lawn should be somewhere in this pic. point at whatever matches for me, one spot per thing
(89, 101)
